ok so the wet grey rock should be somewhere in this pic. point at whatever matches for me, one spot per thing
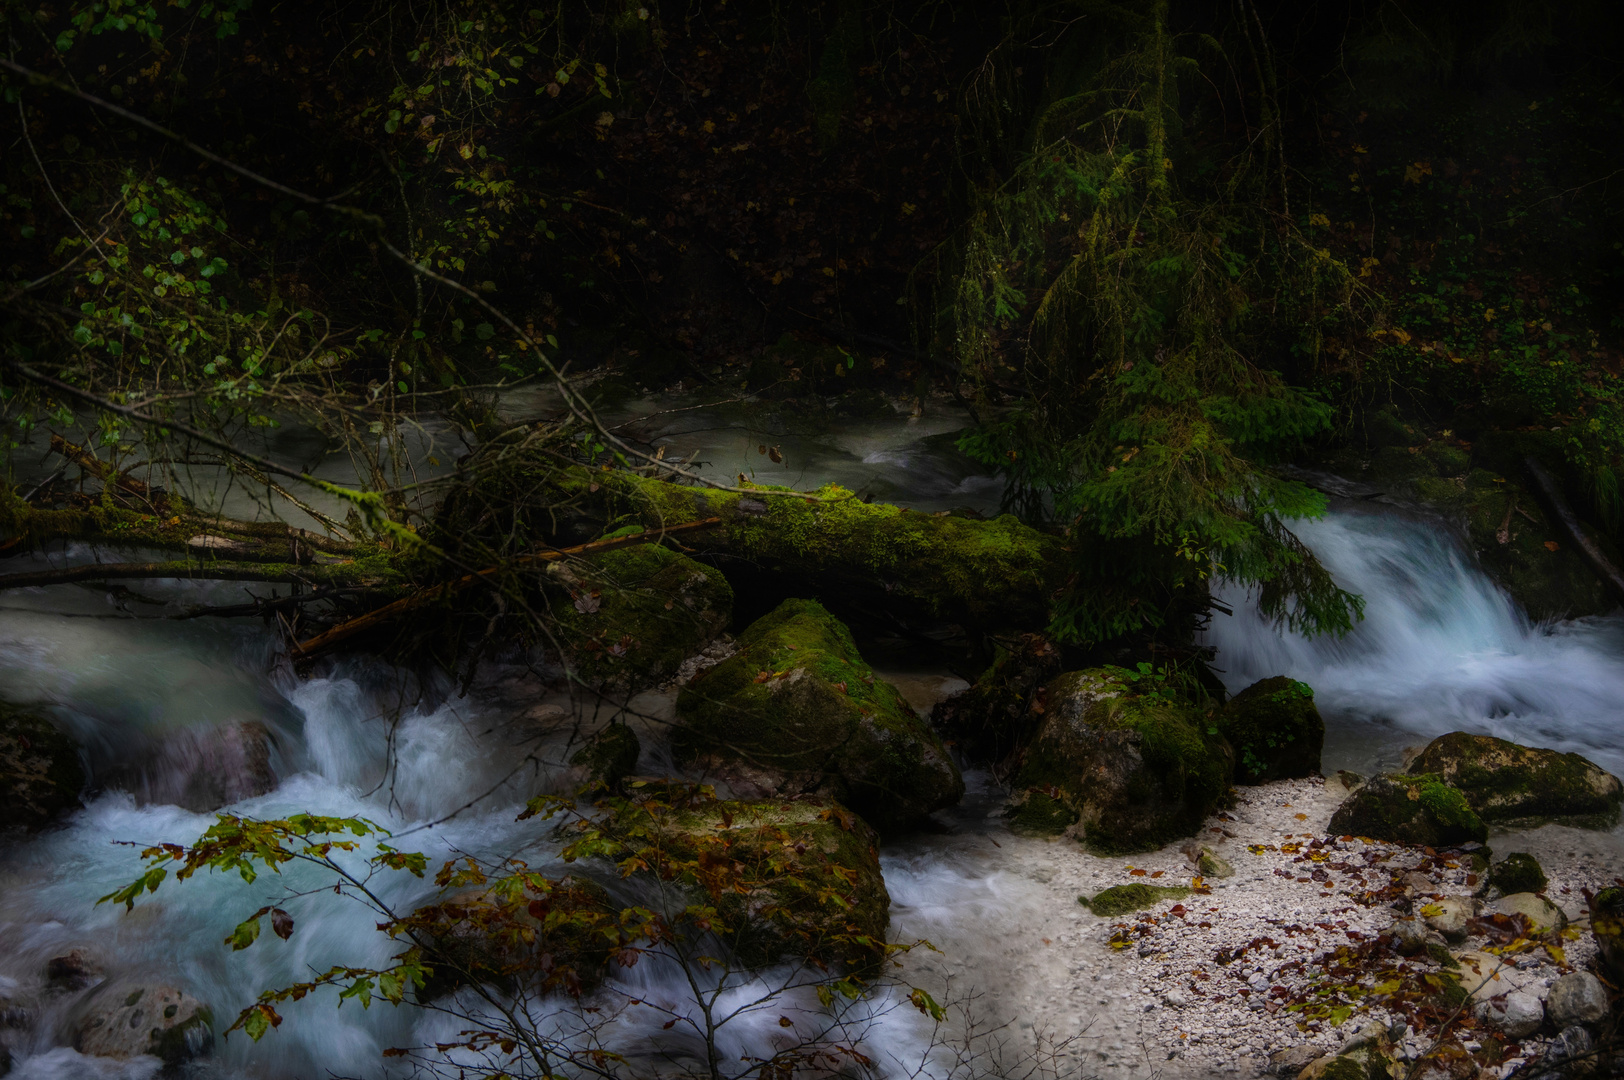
(128, 1018)
(1543, 916)
(1572, 1053)
(1577, 998)
(1289, 1062)
(72, 971)
(1410, 935)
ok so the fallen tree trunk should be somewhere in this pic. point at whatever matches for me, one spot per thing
(987, 575)
(347, 574)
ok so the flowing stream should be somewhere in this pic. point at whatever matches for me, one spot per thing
(159, 704)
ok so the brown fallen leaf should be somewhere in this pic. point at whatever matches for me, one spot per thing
(1136, 872)
(1551, 545)
(1158, 873)
(1300, 817)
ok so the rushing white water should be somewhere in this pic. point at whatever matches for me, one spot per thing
(1441, 648)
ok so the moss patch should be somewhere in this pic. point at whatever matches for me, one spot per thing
(1275, 729)
(1518, 873)
(1040, 814)
(798, 705)
(1121, 899)
(1507, 783)
(631, 616)
(1419, 810)
(1139, 770)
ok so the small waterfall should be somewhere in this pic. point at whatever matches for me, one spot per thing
(1440, 649)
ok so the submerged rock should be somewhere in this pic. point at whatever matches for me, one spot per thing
(1138, 770)
(1275, 729)
(127, 1018)
(40, 771)
(1418, 810)
(203, 768)
(1506, 783)
(796, 710)
(74, 970)
(607, 757)
(629, 617)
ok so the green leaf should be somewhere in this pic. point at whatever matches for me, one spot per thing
(246, 933)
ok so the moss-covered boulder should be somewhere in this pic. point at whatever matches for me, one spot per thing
(1510, 784)
(552, 935)
(1275, 729)
(1420, 810)
(1036, 812)
(796, 710)
(1372, 1061)
(629, 617)
(1121, 899)
(1518, 872)
(40, 771)
(992, 718)
(1137, 769)
(1607, 925)
(801, 877)
(607, 757)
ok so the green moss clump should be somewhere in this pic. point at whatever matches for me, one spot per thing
(1511, 784)
(1275, 729)
(632, 615)
(1420, 810)
(1040, 814)
(609, 756)
(1518, 873)
(40, 771)
(1139, 769)
(798, 710)
(1607, 925)
(1121, 899)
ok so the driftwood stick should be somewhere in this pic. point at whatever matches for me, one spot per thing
(1598, 560)
(305, 650)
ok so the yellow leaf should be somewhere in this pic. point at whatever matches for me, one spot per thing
(708, 126)
(1402, 335)
(1357, 149)
(1318, 219)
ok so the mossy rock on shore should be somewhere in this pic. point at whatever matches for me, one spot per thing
(629, 617)
(1518, 872)
(1372, 1061)
(607, 757)
(1510, 784)
(1275, 729)
(1607, 925)
(40, 771)
(796, 710)
(1121, 899)
(811, 868)
(1137, 769)
(1419, 810)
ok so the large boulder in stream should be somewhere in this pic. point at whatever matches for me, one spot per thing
(1275, 729)
(40, 771)
(125, 1018)
(1419, 810)
(628, 618)
(797, 711)
(1507, 784)
(993, 718)
(1133, 770)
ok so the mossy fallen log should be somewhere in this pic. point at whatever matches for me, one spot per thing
(997, 574)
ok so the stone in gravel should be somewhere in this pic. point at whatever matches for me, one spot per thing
(1518, 1014)
(1505, 782)
(1573, 1051)
(1372, 1061)
(1410, 935)
(1449, 915)
(1543, 916)
(1290, 1062)
(1417, 810)
(1213, 865)
(1517, 872)
(1275, 729)
(1577, 998)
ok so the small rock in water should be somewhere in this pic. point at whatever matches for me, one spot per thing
(1577, 999)
(1518, 1014)
(74, 971)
